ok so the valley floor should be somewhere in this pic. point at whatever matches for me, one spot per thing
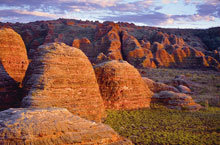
(160, 125)
(164, 126)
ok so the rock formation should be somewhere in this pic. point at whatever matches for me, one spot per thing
(121, 86)
(176, 100)
(53, 126)
(186, 48)
(108, 41)
(62, 76)
(163, 59)
(9, 91)
(13, 54)
(157, 87)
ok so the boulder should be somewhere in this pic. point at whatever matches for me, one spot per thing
(62, 76)
(53, 126)
(157, 87)
(13, 54)
(184, 89)
(121, 86)
(178, 101)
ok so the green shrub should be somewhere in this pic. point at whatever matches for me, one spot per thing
(164, 126)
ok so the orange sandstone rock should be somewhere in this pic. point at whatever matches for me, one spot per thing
(121, 86)
(62, 76)
(13, 54)
(53, 126)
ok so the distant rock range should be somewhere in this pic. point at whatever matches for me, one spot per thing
(143, 47)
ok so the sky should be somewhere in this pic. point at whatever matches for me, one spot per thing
(159, 13)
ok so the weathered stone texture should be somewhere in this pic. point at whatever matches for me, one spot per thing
(53, 126)
(176, 100)
(13, 54)
(121, 86)
(62, 76)
(156, 87)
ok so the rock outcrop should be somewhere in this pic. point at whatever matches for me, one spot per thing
(13, 54)
(9, 91)
(163, 58)
(62, 76)
(157, 87)
(85, 45)
(53, 126)
(176, 100)
(177, 48)
(121, 86)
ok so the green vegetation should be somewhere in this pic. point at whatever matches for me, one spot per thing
(206, 83)
(160, 125)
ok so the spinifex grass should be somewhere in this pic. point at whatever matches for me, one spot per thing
(164, 126)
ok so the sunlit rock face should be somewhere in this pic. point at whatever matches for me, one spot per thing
(13, 54)
(62, 76)
(53, 126)
(121, 86)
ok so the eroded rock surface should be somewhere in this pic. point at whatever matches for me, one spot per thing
(121, 86)
(157, 86)
(53, 126)
(9, 91)
(176, 100)
(62, 76)
(13, 54)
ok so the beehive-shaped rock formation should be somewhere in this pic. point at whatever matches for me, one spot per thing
(121, 86)
(53, 126)
(62, 76)
(13, 54)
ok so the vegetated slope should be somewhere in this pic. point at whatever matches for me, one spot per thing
(141, 46)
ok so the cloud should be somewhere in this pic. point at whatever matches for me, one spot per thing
(192, 18)
(102, 3)
(35, 13)
(155, 18)
(169, 1)
(12, 15)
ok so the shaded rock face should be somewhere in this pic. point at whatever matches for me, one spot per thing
(13, 54)
(62, 76)
(53, 126)
(176, 100)
(163, 59)
(85, 45)
(9, 91)
(110, 44)
(121, 86)
(157, 87)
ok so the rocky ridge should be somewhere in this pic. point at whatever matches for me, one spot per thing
(141, 46)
